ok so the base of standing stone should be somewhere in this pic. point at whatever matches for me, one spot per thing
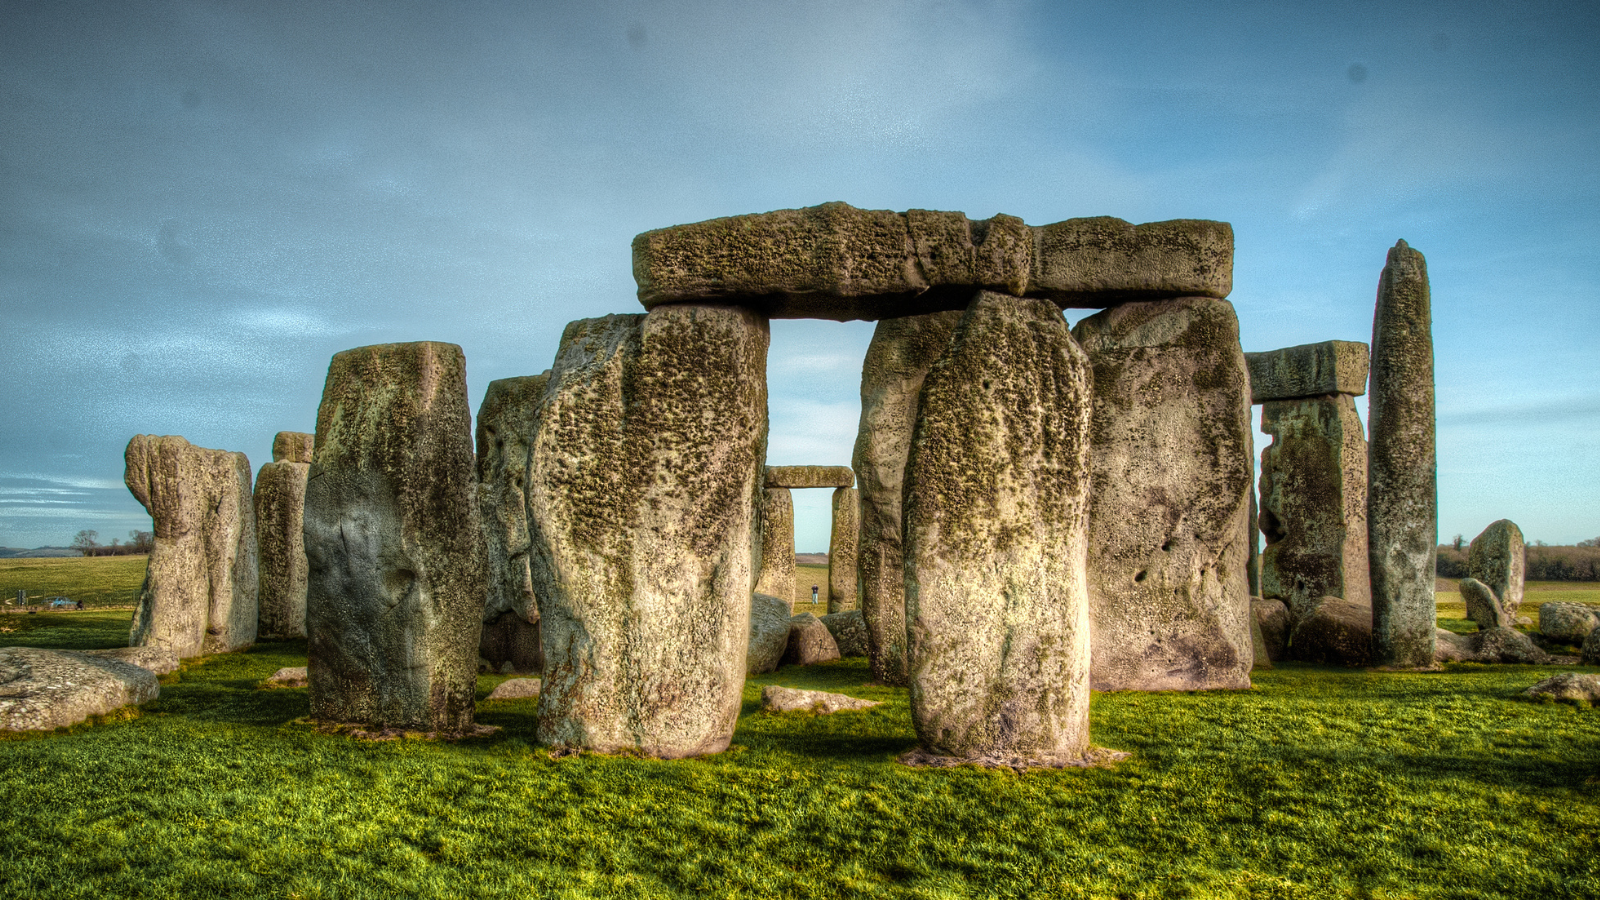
(362, 731)
(1091, 758)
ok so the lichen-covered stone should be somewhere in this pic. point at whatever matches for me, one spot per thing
(1498, 558)
(809, 642)
(1567, 623)
(1336, 631)
(1168, 532)
(769, 633)
(394, 542)
(200, 586)
(1591, 649)
(1507, 645)
(810, 477)
(842, 550)
(1252, 566)
(515, 689)
(1272, 620)
(507, 418)
(996, 518)
(1314, 502)
(782, 699)
(1402, 492)
(643, 495)
(897, 361)
(849, 630)
(1099, 261)
(45, 689)
(292, 446)
(1482, 605)
(1308, 370)
(776, 577)
(1569, 687)
(280, 502)
(156, 659)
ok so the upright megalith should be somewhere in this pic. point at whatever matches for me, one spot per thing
(1499, 558)
(996, 518)
(1402, 491)
(394, 542)
(1168, 528)
(506, 421)
(200, 586)
(898, 359)
(643, 495)
(842, 550)
(280, 503)
(776, 577)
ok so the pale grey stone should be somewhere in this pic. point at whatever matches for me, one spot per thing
(782, 699)
(849, 630)
(289, 676)
(776, 577)
(1482, 605)
(809, 642)
(769, 633)
(1571, 687)
(507, 418)
(1308, 370)
(292, 446)
(1568, 623)
(842, 542)
(280, 501)
(1498, 558)
(515, 689)
(156, 659)
(45, 689)
(810, 477)
(1336, 631)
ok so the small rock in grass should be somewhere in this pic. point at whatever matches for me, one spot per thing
(1572, 687)
(516, 689)
(782, 699)
(289, 676)
(809, 642)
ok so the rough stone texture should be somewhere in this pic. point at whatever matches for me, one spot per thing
(1308, 370)
(849, 630)
(809, 642)
(199, 593)
(776, 577)
(837, 262)
(515, 689)
(394, 541)
(782, 699)
(1507, 645)
(1498, 558)
(292, 446)
(810, 477)
(1258, 646)
(1571, 687)
(45, 689)
(280, 502)
(769, 633)
(506, 422)
(1314, 502)
(897, 361)
(1482, 607)
(1252, 567)
(1337, 631)
(1168, 527)
(1591, 649)
(1272, 618)
(155, 659)
(1402, 492)
(1567, 623)
(996, 518)
(289, 676)
(643, 497)
(842, 550)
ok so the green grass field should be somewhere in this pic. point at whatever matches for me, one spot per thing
(96, 580)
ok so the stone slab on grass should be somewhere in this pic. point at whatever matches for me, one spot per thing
(1571, 687)
(782, 699)
(42, 690)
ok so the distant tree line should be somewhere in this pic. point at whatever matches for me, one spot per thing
(88, 543)
(1580, 562)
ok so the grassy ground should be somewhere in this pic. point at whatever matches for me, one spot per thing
(804, 578)
(1453, 610)
(96, 580)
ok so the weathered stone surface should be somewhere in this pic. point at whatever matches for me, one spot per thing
(1507, 645)
(280, 502)
(643, 495)
(506, 422)
(1252, 567)
(1258, 645)
(1498, 558)
(199, 593)
(292, 446)
(289, 677)
(842, 550)
(45, 689)
(1308, 370)
(1314, 502)
(1402, 492)
(1570, 687)
(837, 262)
(1482, 607)
(515, 689)
(769, 633)
(776, 577)
(996, 516)
(849, 630)
(1451, 647)
(1272, 618)
(155, 659)
(898, 359)
(810, 477)
(1591, 649)
(782, 699)
(1337, 631)
(1168, 529)
(394, 542)
(1568, 623)
(809, 642)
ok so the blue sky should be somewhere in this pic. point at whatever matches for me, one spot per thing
(200, 203)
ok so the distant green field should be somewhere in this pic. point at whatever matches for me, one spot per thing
(96, 580)
(804, 578)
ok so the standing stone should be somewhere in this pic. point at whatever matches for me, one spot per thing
(777, 545)
(200, 586)
(996, 518)
(842, 550)
(394, 540)
(1168, 525)
(280, 527)
(643, 493)
(1252, 566)
(1499, 558)
(506, 422)
(1402, 492)
(1483, 607)
(897, 361)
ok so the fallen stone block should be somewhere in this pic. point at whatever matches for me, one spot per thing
(1337, 632)
(849, 630)
(1482, 605)
(1569, 687)
(769, 633)
(156, 659)
(45, 689)
(1567, 623)
(782, 699)
(289, 677)
(809, 642)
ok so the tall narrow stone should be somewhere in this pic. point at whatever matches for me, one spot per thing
(280, 505)
(1402, 492)
(1499, 558)
(776, 577)
(394, 541)
(996, 519)
(1168, 528)
(200, 586)
(897, 361)
(506, 422)
(842, 550)
(643, 493)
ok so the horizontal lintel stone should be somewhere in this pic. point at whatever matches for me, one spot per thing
(1308, 370)
(810, 477)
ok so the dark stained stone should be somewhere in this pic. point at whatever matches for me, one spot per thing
(1272, 620)
(809, 642)
(280, 501)
(1336, 631)
(507, 418)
